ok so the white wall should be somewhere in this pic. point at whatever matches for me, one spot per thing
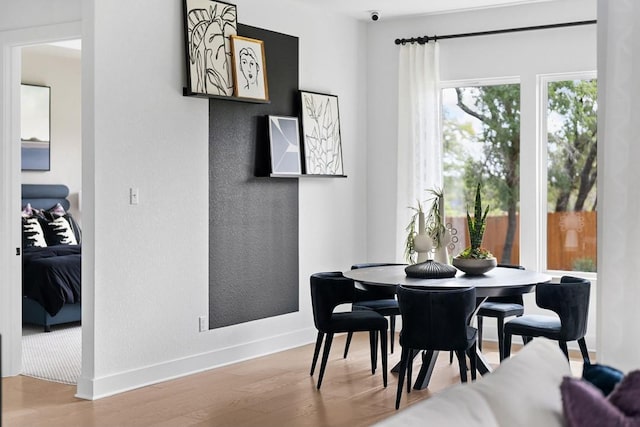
(148, 274)
(618, 231)
(524, 55)
(145, 278)
(59, 68)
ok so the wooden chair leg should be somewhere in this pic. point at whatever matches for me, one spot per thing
(325, 357)
(563, 347)
(480, 322)
(462, 363)
(392, 326)
(373, 345)
(316, 351)
(409, 371)
(500, 321)
(404, 358)
(471, 353)
(450, 357)
(583, 349)
(506, 346)
(383, 353)
(347, 344)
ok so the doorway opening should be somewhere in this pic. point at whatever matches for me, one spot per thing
(51, 340)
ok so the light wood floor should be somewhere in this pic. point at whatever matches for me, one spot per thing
(274, 390)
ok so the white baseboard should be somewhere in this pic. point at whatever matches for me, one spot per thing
(98, 388)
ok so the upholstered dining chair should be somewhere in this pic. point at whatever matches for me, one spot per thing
(569, 299)
(379, 299)
(328, 290)
(500, 308)
(436, 320)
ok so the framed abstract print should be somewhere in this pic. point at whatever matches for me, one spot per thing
(284, 143)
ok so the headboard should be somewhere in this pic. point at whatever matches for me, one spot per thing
(45, 196)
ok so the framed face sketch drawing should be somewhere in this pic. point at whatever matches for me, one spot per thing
(249, 68)
(321, 134)
(208, 26)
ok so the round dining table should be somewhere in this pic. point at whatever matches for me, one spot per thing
(501, 281)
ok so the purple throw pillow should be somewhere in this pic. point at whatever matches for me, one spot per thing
(585, 405)
(626, 395)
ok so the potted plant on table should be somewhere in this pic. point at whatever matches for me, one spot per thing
(475, 259)
(432, 235)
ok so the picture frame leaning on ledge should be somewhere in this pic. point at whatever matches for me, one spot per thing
(249, 68)
(321, 138)
(208, 26)
(284, 144)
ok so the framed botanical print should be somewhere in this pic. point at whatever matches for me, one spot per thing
(249, 68)
(321, 134)
(284, 143)
(208, 26)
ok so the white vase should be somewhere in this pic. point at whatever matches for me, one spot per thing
(422, 243)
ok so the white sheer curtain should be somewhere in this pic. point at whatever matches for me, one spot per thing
(618, 318)
(419, 144)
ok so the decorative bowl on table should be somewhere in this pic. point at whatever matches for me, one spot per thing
(430, 269)
(475, 266)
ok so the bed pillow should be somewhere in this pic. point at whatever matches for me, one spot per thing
(585, 405)
(59, 227)
(32, 232)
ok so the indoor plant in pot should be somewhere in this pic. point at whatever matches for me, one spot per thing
(475, 259)
(432, 235)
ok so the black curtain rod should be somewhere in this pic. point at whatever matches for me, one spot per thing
(427, 39)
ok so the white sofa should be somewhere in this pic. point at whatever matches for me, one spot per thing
(523, 391)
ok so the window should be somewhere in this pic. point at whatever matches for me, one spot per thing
(481, 138)
(570, 126)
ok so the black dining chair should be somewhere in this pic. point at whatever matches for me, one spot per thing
(379, 299)
(569, 299)
(328, 290)
(500, 308)
(436, 320)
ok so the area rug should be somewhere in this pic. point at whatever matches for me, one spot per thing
(52, 356)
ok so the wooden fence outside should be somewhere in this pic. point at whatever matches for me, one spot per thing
(571, 239)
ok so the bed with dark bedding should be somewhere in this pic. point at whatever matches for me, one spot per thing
(51, 257)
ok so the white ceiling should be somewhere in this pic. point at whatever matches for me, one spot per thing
(361, 9)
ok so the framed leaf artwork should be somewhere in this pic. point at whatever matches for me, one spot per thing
(321, 134)
(208, 26)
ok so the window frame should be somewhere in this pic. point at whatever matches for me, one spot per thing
(543, 81)
(489, 81)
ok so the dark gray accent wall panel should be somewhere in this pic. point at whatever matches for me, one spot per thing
(253, 222)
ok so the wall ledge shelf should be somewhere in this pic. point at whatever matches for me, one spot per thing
(304, 175)
(186, 92)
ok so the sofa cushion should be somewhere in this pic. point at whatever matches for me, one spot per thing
(523, 391)
(458, 405)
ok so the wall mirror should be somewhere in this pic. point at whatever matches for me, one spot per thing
(35, 110)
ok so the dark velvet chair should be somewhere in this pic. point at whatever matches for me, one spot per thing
(500, 308)
(436, 320)
(379, 299)
(569, 299)
(328, 290)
